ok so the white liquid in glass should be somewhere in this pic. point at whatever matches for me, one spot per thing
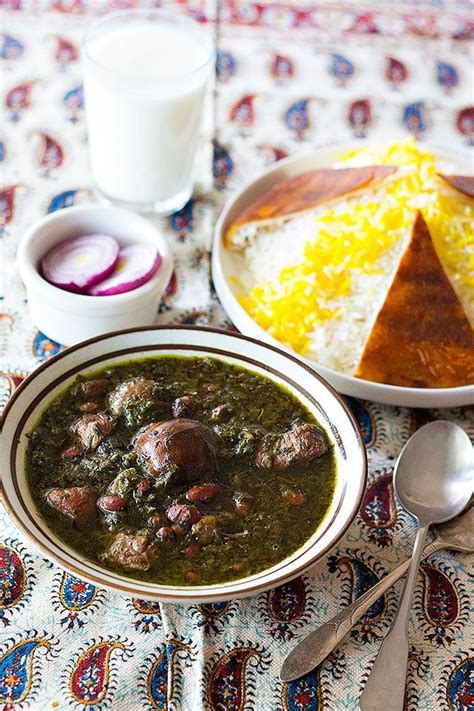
(144, 91)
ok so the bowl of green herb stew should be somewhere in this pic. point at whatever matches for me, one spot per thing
(180, 464)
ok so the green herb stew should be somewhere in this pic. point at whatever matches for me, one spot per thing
(181, 471)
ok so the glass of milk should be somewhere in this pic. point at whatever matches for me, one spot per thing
(145, 77)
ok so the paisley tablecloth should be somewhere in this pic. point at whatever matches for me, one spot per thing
(290, 75)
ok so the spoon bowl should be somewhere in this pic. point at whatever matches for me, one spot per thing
(433, 476)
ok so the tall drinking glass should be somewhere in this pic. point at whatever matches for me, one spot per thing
(145, 77)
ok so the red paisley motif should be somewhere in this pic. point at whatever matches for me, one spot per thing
(7, 203)
(89, 678)
(287, 602)
(281, 67)
(272, 153)
(395, 71)
(19, 97)
(465, 122)
(172, 287)
(16, 379)
(8, 381)
(146, 607)
(242, 112)
(226, 688)
(12, 577)
(378, 505)
(440, 599)
(66, 51)
(50, 154)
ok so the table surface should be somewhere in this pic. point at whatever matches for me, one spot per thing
(290, 76)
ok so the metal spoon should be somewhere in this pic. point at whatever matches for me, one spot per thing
(457, 535)
(433, 479)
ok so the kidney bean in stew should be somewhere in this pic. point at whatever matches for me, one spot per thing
(183, 471)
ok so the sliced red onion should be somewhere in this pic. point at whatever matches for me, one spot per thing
(136, 265)
(78, 263)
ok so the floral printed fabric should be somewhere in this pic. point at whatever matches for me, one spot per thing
(290, 75)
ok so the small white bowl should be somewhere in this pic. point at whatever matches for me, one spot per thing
(48, 381)
(67, 317)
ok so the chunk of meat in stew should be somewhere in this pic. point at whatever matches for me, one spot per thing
(75, 502)
(131, 551)
(183, 406)
(204, 529)
(298, 446)
(93, 388)
(180, 449)
(91, 430)
(130, 390)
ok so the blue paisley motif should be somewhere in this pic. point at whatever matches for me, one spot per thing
(76, 594)
(362, 579)
(64, 199)
(10, 47)
(226, 65)
(341, 67)
(75, 599)
(460, 691)
(158, 675)
(16, 670)
(74, 98)
(446, 75)
(303, 694)
(364, 420)
(415, 118)
(182, 221)
(44, 347)
(158, 682)
(74, 102)
(222, 163)
(297, 118)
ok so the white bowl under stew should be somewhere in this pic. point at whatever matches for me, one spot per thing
(68, 317)
(37, 392)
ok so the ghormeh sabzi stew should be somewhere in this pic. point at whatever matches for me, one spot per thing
(181, 470)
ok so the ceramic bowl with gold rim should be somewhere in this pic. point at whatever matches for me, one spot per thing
(52, 378)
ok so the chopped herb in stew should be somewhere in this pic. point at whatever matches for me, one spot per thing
(181, 470)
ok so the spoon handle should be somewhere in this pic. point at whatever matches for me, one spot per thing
(315, 647)
(385, 687)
